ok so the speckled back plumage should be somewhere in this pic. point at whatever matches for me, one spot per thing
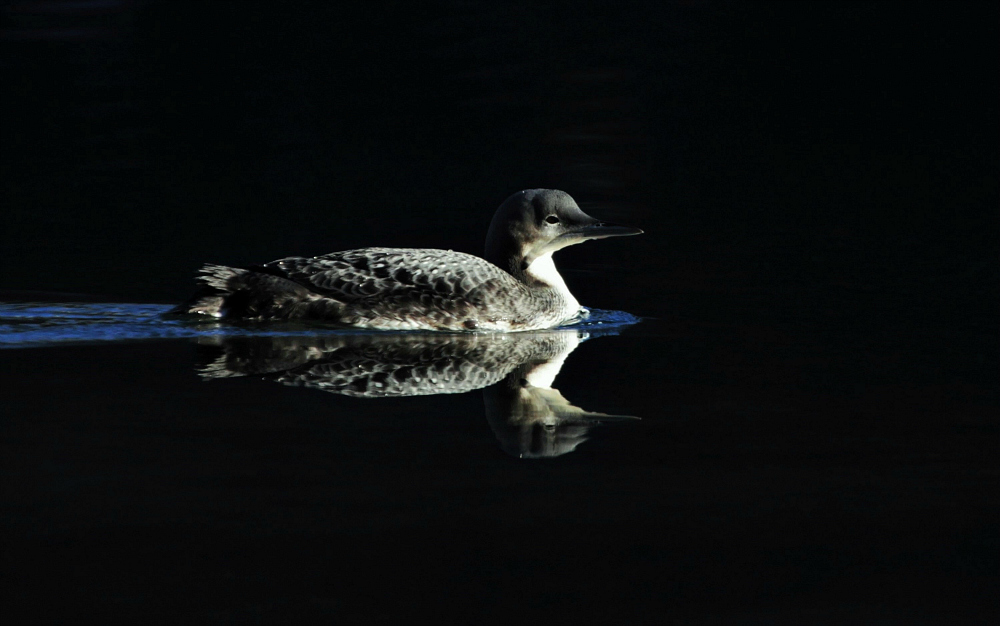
(411, 288)
(380, 288)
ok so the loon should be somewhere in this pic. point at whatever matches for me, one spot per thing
(514, 288)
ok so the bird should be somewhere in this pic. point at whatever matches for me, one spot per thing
(514, 287)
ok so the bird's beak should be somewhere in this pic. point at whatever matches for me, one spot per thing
(591, 229)
(601, 230)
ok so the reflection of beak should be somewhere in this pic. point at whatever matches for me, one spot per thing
(601, 230)
(558, 406)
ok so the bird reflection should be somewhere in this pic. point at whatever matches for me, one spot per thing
(515, 370)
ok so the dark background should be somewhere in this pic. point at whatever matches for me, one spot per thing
(817, 373)
(849, 145)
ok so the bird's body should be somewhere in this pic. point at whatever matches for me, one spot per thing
(515, 288)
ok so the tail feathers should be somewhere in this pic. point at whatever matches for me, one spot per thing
(233, 292)
(219, 277)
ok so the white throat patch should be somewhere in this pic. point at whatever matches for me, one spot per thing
(544, 270)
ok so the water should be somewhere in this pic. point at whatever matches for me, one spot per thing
(529, 417)
(233, 473)
(35, 325)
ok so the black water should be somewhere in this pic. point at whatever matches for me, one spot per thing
(815, 367)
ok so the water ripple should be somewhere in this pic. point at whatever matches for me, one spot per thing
(30, 325)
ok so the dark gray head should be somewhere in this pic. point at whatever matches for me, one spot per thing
(535, 222)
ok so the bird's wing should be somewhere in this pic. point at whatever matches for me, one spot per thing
(377, 273)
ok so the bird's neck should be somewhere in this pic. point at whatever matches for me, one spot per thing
(542, 274)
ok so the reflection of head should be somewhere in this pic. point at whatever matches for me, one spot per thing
(529, 417)
(536, 422)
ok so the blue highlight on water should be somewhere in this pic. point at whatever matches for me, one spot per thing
(30, 325)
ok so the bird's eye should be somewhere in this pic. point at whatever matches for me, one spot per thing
(552, 219)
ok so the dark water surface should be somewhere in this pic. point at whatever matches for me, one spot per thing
(815, 368)
(772, 477)
(51, 324)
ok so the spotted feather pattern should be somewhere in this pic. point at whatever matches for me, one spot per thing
(421, 289)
